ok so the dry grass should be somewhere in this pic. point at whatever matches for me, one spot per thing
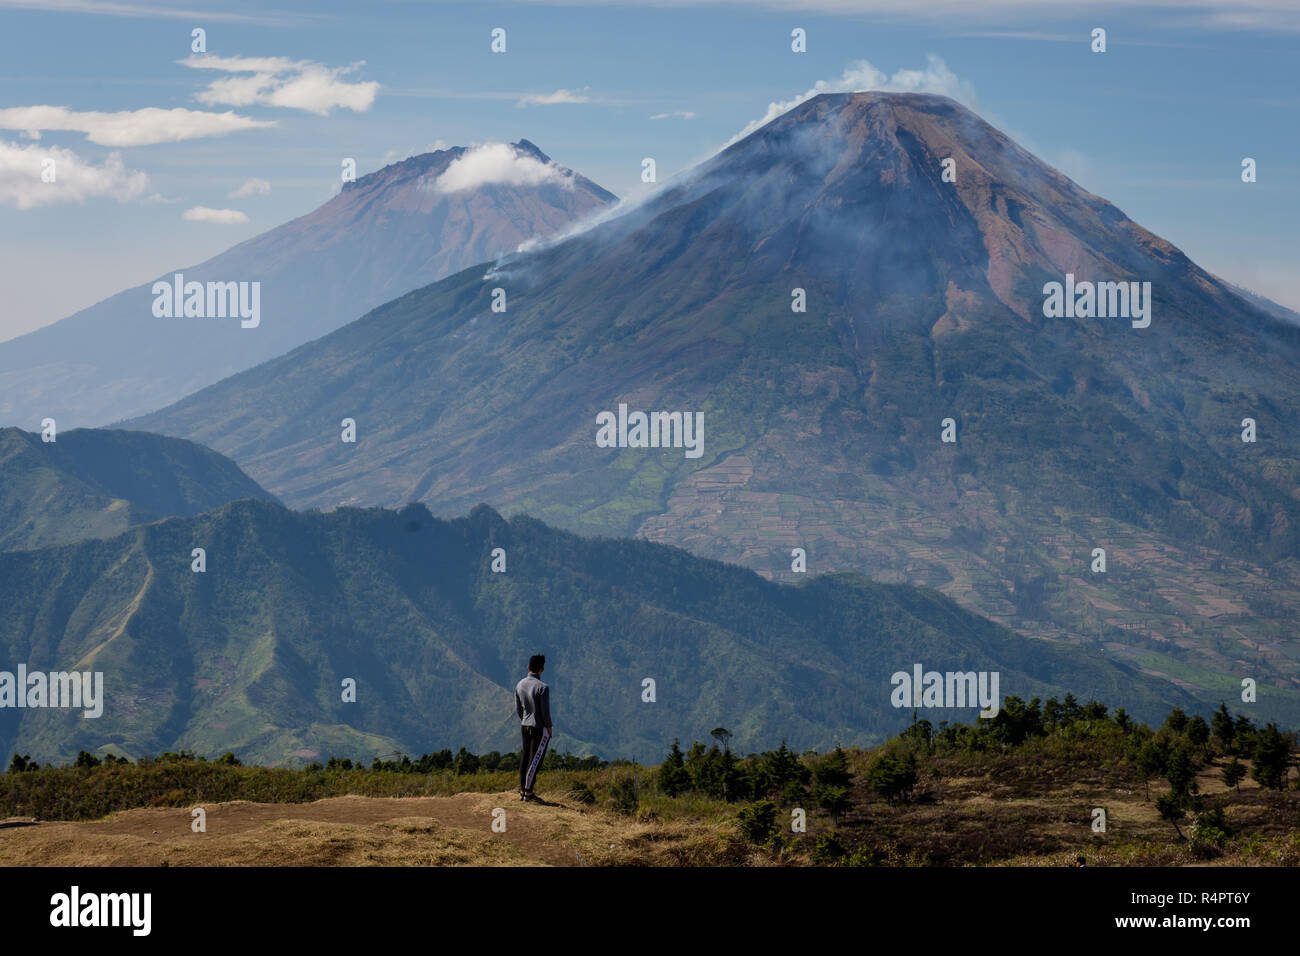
(367, 831)
(1035, 809)
(1032, 807)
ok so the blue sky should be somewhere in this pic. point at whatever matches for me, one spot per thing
(1158, 124)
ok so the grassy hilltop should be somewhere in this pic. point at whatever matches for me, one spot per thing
(1022, 789)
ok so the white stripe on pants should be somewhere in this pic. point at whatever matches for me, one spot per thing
(536, 763)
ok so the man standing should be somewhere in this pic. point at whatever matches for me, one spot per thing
(533, 706)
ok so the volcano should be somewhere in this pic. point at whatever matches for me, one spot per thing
(853, 298)
(384, 234)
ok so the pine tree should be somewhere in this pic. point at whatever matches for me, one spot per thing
(1245, 730)
(1224, 728)
(1271, 758)
(832, 782)
(1176, 722)
(673, 778)
(891, 776)
(697, 767)
(1122, 720)
(1233, 774)
(757, 822)
(833, 770)
(1052, 713)
(1150, 760)
(1198, 733)
(780, 768)
(834, 800)
(1170, 808)
(1069, 709)
(1180, 772)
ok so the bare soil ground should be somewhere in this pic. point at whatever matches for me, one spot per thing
(344, 831)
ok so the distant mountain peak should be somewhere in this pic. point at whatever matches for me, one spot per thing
(435, 162)
(417, 165)
(383, 235)
(526, 146)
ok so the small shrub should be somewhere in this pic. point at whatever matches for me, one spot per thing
(86, 760)
(1208, 832)
(828, 850)
(757, 822)
(623, 796)
(893, 776)
(582, 793)
(795, 794)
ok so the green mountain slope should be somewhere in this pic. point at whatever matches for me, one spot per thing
(250, 655)
(93, 483)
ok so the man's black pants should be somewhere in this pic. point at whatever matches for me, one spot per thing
(534, 747)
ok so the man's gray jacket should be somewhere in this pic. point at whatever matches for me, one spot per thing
(533, 702)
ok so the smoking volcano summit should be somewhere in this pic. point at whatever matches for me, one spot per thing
(920, 242)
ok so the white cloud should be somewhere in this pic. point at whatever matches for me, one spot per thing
(556, 98)
(498, 163)
(140, 11)
(862, 76)
(251, 187)
(279, 81)
(676, 114)
(242, 64)
(224, 217)
(144, 127)
(75, 179)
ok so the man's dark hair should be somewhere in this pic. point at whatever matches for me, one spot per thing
(536, 662)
